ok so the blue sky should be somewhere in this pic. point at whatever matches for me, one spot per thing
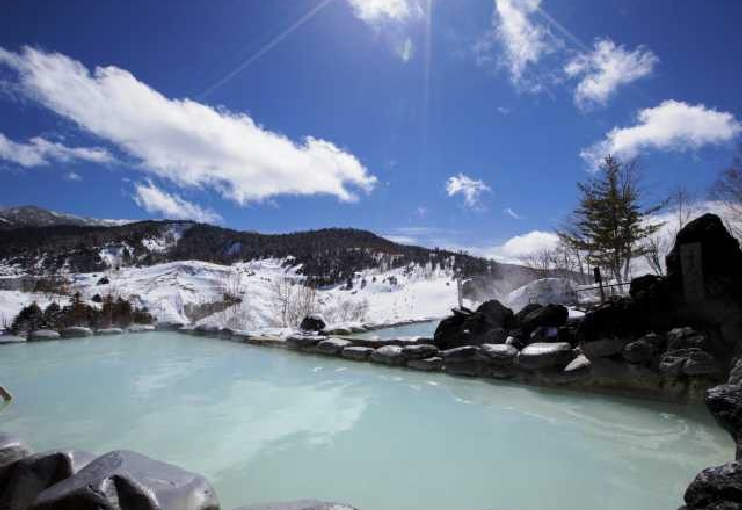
(463, 123)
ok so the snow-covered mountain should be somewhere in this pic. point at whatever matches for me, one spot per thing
(33, 216)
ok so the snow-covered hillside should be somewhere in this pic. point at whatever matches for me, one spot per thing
(13, 301)
(169, 290)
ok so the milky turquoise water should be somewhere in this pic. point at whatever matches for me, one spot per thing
(266, 424)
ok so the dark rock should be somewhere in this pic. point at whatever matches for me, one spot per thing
(643, 284)
(109, 331)
(721, 258)
(103, 281)
(724, 402)
(357, 353)
(501, 355)
(495, 336)
(339, 332)
(716, 488)
(419, 351)
(203, 330)
(303, 342)
(433, 364)
(76, 332)
(124, 480)
(31, 475)
(605, 347)
(641, 351)
(389, 355)
(542, 356)
(690, 362)
(466, 367)
(41, 335)
(332, 346)
(11, 339)
(549, 316)
(472, 328)
(12, 449)
(299, 505)
(460, 353)
(735, 374)
(523, 312)
(686, 338)
(497, 314)
(312, 323)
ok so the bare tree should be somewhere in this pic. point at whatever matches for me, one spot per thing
(292, 301)
(728, 190)
(541, 260)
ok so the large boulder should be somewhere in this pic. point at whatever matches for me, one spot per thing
(299, 505)
(488, 324)
(448, 333)
(496, 314)
(735, 374)
(31, 475)
(419, 351)
(357, 353)
(389, 355)
(11, 339)
(549, 316)
(41, 335)
(721, 258)
(76, 332)
(433, 364)
(500, 355)
(303, 342)
(541, 356)
(716, 488)
(114, 331)
(686, 338)
(689, 362)
(725, 404)
(313, 322)
(332, 346)
(605, 347)
(643, 350)
(124, 480)
(12, 449)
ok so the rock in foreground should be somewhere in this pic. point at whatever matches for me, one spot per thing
(124, 480)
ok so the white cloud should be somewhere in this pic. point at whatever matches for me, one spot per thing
(605, 69)
(188, 143)
(172, 206)
(524, 40)
(471, 189)
(516, 248)
(73, 176)
(374, 11)
(39, 151)
(503, 110)
(513, 214)
(422, 211)
(672, 125)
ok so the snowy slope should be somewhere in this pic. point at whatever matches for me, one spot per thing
(168, 289)
(12, 302)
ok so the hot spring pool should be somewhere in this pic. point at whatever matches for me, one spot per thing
(267, 425)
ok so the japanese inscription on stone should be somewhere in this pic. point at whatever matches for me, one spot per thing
(690, 264)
